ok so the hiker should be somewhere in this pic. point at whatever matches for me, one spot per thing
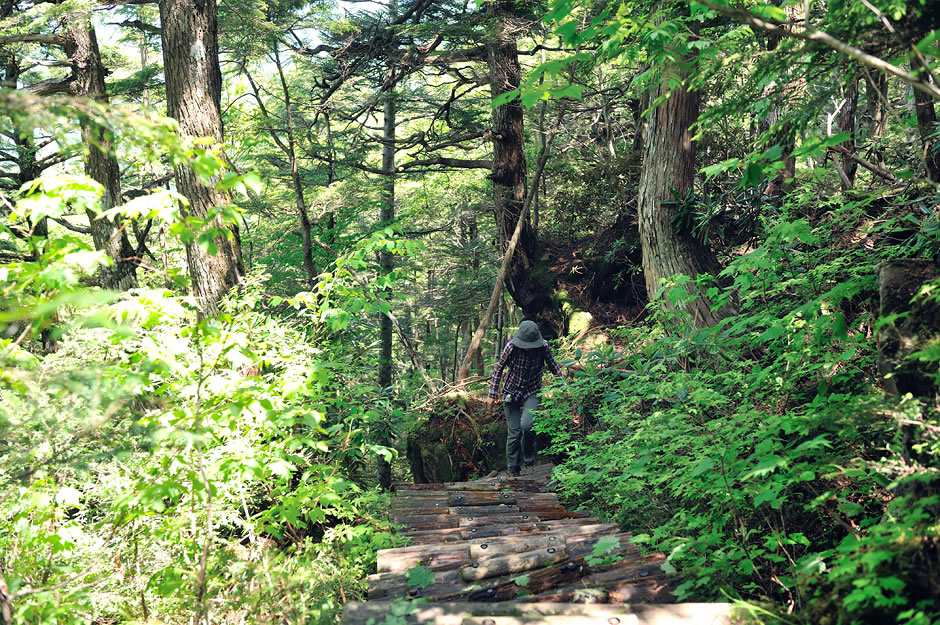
(524, 356)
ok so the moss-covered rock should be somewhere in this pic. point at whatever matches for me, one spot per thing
(457, 440)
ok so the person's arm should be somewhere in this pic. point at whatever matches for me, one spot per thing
(552, 363)
(498, 371)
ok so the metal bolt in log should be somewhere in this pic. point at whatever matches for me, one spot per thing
(515, 563)
(519, 545)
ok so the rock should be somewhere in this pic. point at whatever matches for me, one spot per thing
(458, 440)
(899, 281)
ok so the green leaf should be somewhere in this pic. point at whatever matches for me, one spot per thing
(707, 464)
(769, 12)
(605, 545)
(420, 577)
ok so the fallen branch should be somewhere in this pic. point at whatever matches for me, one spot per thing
(510, 250)
(878, 171)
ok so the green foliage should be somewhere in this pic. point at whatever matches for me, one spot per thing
(159, 461)
(420, 577)
(759, 454)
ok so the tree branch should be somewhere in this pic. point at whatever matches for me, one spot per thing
(459, 163)
(811, 34)
(139, 25)
(52, 86)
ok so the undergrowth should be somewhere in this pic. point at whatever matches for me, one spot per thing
(761, 455)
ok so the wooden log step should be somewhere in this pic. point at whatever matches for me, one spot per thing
(506, 588)
(532, 515)
(651, 590)
(458, 534)
(514, 483)
(481, 498)
(441, 557)
(499, 565)
(520, 544)
(358, 613)
(447, 514)
(403, 558)
(628, 570)
(539, 580)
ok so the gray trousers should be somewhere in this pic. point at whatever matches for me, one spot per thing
(519, 419)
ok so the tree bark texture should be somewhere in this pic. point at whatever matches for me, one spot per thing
(876, 94)
(386, 260)
(926, 122)
(290, 149)
(194, 90)
(387, 264)
(530, 285)
(847, 124)
(669, 163)
(101, 165)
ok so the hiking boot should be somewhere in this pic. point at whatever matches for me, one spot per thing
(528, 461)
(514, 472)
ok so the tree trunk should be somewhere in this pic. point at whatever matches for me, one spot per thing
(194, 91)
(926, 122)
(669, 163)
(876, 94)
(386, 261)
(101, 165)
(290, 149)
(530, 285)
(847, 124)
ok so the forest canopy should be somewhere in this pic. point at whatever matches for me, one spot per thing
(250, 253)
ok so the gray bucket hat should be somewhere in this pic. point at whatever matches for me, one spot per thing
(527, 336)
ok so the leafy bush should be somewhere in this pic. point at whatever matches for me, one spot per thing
(760, 455)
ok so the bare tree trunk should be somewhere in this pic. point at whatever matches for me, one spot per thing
(310, 268)
(386, 260)
(926, 121)
(496, 295)
(101, 165)
(532, 289)
(194, 91)
(876, 94)
(669, 163)
(847, 124)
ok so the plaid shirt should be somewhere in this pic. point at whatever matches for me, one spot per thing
(524, 377)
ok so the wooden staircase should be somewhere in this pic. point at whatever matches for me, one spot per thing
(503, 551)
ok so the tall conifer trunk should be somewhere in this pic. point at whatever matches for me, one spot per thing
(529, 287)
(101, 165)
(194, 91)
(386, 260)
(926, 122)
(669, 163)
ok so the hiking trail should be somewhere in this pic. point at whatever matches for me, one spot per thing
(504, 551)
